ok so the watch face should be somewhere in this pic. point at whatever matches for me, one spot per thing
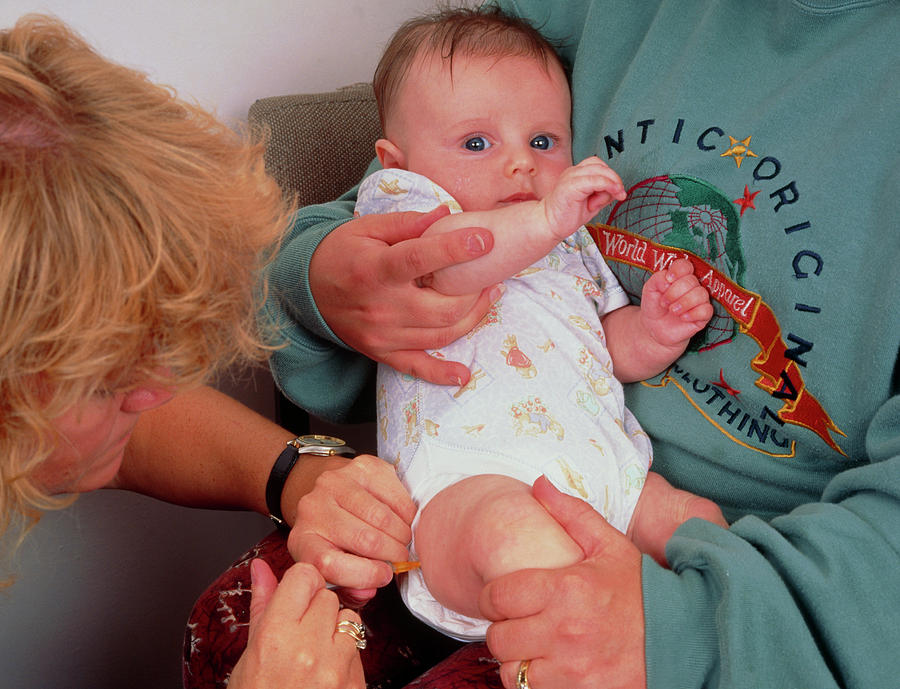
(321, 440)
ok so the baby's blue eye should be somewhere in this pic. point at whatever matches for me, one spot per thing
(542, 142)
(477, 143)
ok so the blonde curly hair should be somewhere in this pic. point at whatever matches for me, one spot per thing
(133, 228)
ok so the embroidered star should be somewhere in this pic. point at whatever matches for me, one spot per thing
(746, 201)
(739, 150)
(725, 386)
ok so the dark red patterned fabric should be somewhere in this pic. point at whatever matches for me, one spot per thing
(471, 666)
(400, 648)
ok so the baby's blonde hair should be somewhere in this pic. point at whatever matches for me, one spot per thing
(133, 227)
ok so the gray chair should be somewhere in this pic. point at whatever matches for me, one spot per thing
(320, 144)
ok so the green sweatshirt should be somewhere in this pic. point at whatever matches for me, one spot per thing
(758, 137)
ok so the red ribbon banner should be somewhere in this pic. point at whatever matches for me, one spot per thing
(780, 375)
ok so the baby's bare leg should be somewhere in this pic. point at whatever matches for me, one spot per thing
(481, 528)
(661, 509)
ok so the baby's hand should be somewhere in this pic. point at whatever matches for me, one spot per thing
(580, 192)
(674, 305)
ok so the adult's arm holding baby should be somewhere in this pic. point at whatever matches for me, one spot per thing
(344, 292)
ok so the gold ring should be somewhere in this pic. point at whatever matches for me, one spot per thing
(353, 629)
(522, 676)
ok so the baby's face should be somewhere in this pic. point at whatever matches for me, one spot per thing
(495, 132)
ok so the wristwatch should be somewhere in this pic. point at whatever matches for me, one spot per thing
(317, 445)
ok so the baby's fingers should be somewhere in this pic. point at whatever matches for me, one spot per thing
(602, 180)
(679, 268)
(699, 314)
(693, 299)
(598, 200)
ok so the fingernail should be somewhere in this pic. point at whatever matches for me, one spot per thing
(475, 243)
(498, 291)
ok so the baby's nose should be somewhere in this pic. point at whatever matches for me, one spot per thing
(521, 162)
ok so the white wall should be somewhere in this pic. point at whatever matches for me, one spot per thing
(225, 53)
(104, 587)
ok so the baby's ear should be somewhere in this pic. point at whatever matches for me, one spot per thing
(389, 155)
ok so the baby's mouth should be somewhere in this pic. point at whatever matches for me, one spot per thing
(518, 198)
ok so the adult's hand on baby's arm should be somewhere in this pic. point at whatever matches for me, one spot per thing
(365, 277)
(292, 641)
(674, 305)
(580, 626)
(354, 521)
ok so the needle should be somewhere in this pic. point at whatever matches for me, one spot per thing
(398, 567)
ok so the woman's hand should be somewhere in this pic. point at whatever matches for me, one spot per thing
(292, 640)
(365, 277)
(354, 521)
(580, 626)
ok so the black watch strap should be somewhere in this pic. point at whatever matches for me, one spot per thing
(277, 478)
(317, 445)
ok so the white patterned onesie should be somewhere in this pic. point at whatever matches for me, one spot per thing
(542, 398)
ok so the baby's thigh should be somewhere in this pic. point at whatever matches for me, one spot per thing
(494, 524)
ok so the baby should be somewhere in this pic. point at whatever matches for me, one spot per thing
(475, 108)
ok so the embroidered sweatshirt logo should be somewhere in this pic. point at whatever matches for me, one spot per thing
(671, 216)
